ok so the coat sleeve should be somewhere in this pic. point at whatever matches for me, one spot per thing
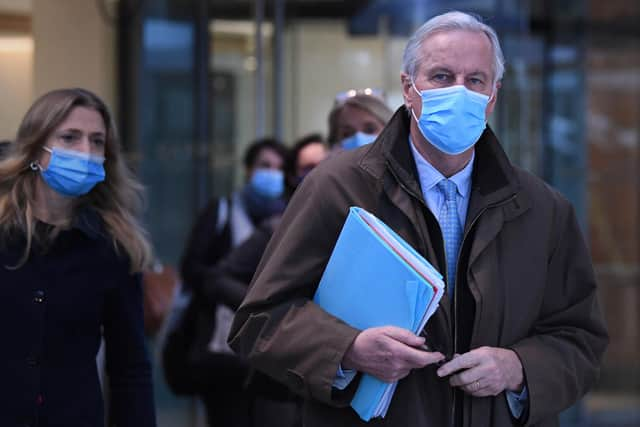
(562, 355)
(127, 363)
(278, 327)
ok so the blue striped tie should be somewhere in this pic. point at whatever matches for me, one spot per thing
(451, 229)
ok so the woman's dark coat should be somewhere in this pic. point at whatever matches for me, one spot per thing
(53, 312)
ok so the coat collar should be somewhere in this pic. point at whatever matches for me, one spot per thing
(494, 179)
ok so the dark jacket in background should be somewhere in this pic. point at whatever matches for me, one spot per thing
(207, 243)
(227, 281)
(201, 372)
(272, 403)
(191, 368)
(53, 312)
(524, 282)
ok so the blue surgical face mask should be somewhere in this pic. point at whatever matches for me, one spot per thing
(357, 140)
(71, 173)
(268, 183)
(452, 118)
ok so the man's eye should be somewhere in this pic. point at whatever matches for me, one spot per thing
(441, 77)
(476, 81)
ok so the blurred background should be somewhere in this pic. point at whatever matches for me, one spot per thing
(192, 82)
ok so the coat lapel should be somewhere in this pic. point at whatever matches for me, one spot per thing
(400, 178)
(494, 186)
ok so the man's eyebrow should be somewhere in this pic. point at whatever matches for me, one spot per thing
(438, 68)
(478, 73)
(445, 69)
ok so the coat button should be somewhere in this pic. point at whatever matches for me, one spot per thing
(38, 297)
(32, 361)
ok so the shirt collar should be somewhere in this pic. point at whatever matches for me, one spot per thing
(429, 176)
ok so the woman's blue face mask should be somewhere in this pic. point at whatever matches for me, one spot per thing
(71, 173)
(452, 118)
(268, 183)
(358, 140)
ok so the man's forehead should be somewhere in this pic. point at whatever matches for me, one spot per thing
(457, 48)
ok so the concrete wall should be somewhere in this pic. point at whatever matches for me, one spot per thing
(69, 45)
(74, 47)
(16, 77)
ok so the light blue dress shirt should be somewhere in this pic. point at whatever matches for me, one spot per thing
(429, 177)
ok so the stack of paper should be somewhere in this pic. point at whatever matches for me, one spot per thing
(375, 278)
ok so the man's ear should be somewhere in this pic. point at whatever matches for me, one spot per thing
(492, 102)
(405, 80)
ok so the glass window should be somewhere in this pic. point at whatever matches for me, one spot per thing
(235, 107)
(166, 130)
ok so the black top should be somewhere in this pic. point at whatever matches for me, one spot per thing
(205, 246)
(53, 312)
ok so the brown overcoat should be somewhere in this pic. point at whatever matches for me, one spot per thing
(524, 282)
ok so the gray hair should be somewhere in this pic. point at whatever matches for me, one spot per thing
(451, 21)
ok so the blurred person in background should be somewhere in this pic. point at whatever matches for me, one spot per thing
(227, 281)
(357, 118)
(305, 155)
(227, 221)
(271, 404)
(71, 250)
(212, 371)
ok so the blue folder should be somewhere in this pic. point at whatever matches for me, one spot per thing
(374, 278)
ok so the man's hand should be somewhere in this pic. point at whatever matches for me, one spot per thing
(388, 353)
(485, 371)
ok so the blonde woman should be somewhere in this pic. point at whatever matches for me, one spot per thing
(356, 119)
(71, 249)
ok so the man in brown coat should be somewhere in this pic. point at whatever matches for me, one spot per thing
(520, 313)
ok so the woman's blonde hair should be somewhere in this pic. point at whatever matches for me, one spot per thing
(118, 200)
(368, 103)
